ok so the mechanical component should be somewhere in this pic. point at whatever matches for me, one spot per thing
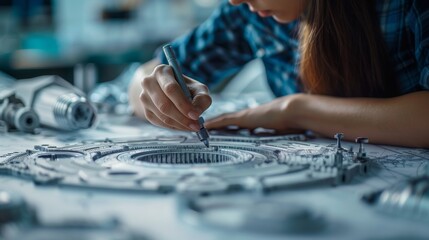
(361, 155)
(339, 159)
(58, 103)
(408, 199)
(15, 114)
(339, 137)
(180, 163)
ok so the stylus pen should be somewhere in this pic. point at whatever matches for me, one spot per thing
(203, 134)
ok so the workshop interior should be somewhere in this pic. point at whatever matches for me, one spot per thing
(75, 163)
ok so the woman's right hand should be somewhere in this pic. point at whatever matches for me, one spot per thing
(164, 103)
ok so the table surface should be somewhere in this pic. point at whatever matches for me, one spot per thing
(156, 215)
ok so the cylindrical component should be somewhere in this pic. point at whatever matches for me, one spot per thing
(62, 108)
(361, 141)
(177, 70)
(19, 117)
(339, 137)
(361, 153)
(202, 134)
(15, 114)
(74, 112)
(338, 158)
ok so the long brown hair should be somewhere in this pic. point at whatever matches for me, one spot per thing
(342, 50)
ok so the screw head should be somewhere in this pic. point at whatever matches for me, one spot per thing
(361, 140)
(339, 135)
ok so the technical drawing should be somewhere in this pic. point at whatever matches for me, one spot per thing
(166, 164)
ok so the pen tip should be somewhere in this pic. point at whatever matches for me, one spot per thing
(206, 143)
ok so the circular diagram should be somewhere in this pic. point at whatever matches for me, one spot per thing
(182, 163)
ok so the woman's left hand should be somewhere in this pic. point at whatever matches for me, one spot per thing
(281, 114)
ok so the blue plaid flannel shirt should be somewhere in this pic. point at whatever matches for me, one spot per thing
(233, 36)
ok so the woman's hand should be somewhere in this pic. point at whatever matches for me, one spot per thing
(281, 114)
(164, 103)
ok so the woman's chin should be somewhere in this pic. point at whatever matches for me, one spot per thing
(283, 19)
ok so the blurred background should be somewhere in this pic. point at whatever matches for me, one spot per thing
(90, 41)
(96, 45)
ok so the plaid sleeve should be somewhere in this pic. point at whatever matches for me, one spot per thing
(216, 49)
(418, 21)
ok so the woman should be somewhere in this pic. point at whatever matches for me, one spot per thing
(360, 67)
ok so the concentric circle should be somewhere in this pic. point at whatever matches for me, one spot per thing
(191, 155)
(166, 164)
(58, 155)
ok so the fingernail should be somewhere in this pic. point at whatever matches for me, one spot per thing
(194, 115)
(194, 127)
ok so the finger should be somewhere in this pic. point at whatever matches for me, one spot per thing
(236, 119)
(149, 114)
(170, 122)
(168, 112)
(174, 92)
(249, 118)
(164, 119)
(201, 96)
(202, 102)
(154, 99)
(152, 118)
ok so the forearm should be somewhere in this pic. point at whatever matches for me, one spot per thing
(135, 87)
(400, 121)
